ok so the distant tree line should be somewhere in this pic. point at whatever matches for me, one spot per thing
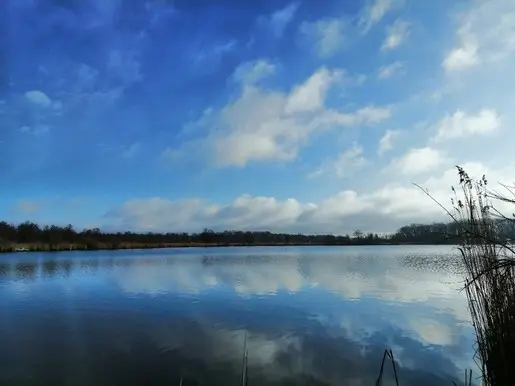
(54, 237)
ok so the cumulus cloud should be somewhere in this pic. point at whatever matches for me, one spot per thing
(390, 70)
(396, 34)
(328, 35)
(486, 33)
(419, 160)
(381, 210)
(460, 124)
(374, 12)
(38, 98)
(386, 141)
(266, 125)
(461, 58)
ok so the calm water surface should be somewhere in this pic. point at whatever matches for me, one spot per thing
(312, 316)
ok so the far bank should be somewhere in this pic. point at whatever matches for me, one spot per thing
(40, 247)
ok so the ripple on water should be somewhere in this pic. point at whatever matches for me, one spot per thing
(316, 316)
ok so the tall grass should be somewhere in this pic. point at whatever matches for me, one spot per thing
(489, 263)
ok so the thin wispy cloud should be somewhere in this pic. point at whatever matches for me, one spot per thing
(328, 36)
(387, 141)
(396, 35)
(344, 165)
(373, 13)
(390, 70)
(279, 20)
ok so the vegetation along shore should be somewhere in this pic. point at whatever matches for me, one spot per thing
(29, 236)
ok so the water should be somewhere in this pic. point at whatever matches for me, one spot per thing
(312, 316)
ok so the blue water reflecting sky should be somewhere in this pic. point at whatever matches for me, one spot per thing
(311, 315)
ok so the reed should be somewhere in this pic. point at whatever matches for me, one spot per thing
(489, 263)
(388, 355)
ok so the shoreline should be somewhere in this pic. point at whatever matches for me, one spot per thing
(37, 247)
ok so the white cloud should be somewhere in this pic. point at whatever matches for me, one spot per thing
(390, 70)
(310, 95)
(280, 19)
(486, 33)
(396, 34)
(259, 129)
(380, 210)
(371, 114)
(344, 165)
(460, 124)
(328, 35)
(38, 98)
(266, 125)
(461, 58)
(251, 72)
(374, 12)
(386, 142)
(419, 160)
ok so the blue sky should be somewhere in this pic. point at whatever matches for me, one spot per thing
(301, 116)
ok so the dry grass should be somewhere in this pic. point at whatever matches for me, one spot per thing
(490, 277)
(490, 282)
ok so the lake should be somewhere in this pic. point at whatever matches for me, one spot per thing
(309, 315)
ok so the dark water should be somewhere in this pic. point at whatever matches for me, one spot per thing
(312, 316)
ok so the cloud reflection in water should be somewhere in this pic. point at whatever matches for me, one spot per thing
(317, 317)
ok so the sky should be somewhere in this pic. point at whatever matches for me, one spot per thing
(296, 116)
